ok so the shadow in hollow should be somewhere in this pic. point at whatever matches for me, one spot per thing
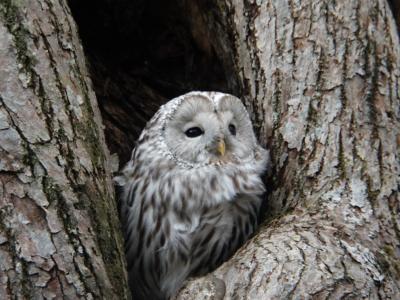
(140, 55)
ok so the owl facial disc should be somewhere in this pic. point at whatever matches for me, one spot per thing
(208, 128)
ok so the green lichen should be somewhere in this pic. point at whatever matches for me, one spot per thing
(372, 194)
(312, 114)
(389, 250)
(277, 99)
(341, 158)
(26, 283)
(10, 12)
(389, 259)
(371, 67)
(46, 108)
(54, 195)
(105, 221)
(52, 191)
(93, 195)
(95, 199)
(342, 95)
(25, 286)
(29, 157)
(89, 130)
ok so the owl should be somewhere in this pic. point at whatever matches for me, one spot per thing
(191, 192)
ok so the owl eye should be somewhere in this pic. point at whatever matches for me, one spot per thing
(232, 129)
(194, 132)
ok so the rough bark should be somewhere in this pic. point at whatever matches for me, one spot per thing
(59, 229)
(321, 79)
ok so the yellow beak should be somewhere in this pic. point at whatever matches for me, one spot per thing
(221, 147)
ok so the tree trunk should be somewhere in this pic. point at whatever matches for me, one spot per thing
(59, 228)
(321, 79)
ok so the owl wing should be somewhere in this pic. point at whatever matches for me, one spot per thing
(223, 231)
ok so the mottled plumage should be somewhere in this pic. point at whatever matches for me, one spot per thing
(191, 191)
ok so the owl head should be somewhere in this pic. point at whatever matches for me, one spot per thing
(201, 128)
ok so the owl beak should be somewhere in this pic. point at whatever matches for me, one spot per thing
(221, 147)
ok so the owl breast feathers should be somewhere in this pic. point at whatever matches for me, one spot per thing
(191, 191)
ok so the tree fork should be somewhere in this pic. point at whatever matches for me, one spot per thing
(323, 78)
(320, 79)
